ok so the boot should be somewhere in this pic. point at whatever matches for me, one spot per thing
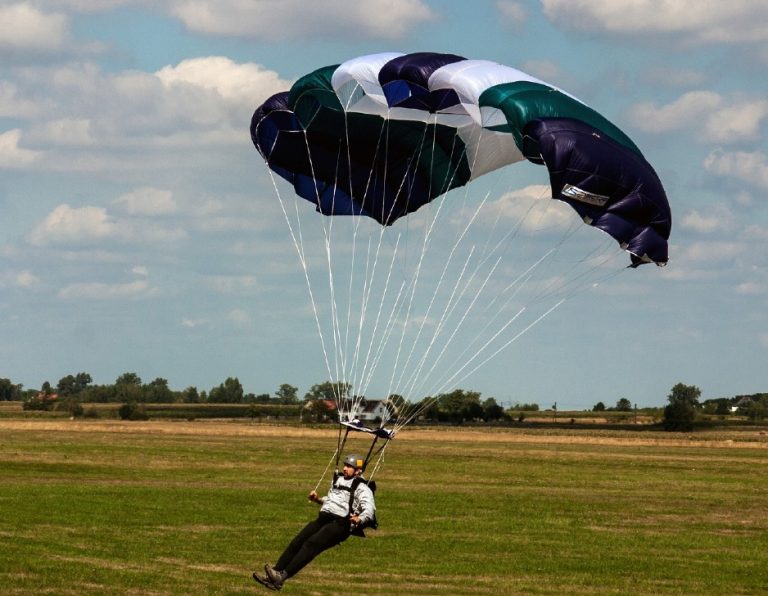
(276, 577)
(264, 581)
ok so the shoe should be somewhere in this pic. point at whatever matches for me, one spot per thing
(264, 581)
(276, 577)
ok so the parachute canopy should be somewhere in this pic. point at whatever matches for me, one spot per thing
(382, 135)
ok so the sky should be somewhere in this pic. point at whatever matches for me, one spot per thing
(140, 230)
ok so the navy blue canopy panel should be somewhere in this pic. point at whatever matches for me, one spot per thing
(610, 186)
(382, 135)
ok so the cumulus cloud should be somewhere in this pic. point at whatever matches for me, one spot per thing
(66, 225)
(533, 209)
(718, 218)
(751, 288)
(24, 27)
(106, 291)
(89, 225)
(247, 82)
(292, 19)
(231, 284)
(711, 116)
(12, 155)
(200, 102)
(736, 21)
(750, 167)
(19, 279)
(239, 317)
(147, 201)
(512, 12)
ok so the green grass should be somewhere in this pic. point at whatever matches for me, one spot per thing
(502, 512)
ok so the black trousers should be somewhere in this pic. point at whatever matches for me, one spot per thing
(318, 535)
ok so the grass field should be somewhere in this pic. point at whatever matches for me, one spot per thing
(96, 507)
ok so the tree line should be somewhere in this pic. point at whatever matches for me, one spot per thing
(682, 409)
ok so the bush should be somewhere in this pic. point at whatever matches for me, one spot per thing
(133, 411)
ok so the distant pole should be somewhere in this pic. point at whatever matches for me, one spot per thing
(554, 412)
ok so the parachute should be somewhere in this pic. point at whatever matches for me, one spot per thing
(381, 138)
(382, 135)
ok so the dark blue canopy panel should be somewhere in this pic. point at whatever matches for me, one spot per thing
(382, 135)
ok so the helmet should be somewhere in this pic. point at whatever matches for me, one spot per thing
(355, 461)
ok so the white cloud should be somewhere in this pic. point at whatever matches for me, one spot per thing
(742, 165)
(231, 284)
(140, 270)
(712, 117)
(238, 82)
(24, 27)
(89, 114)
(147, 201)
(20, 279)
(685, 112)
(711, 252)
(543, 69)
(751, 288)
(735, 21)
(88, 225)
(13, 104)
(192, 323)
(512, 12)
(291, 19)
(667, 76)
(66, 225)
(239, 317)
(717, 218)
(755, 232)
(105, 291)
(13, 156)
(533, 209)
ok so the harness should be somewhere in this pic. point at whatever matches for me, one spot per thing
(371, 523)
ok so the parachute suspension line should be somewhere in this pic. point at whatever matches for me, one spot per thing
(299, 246)
(326, 233)
(335, 456)
(424, 248)
(425, 317)
(370, 275)
(414, 281)
(365, 373)
(494, 354)
(450, 305)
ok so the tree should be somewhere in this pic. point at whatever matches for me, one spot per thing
(460, 405)
(73, 384)
(598, 407)
(9, 391)
(681, 411)
(157, 392)
(229, 392)
(128, 388)
(190, 395)
(624, 405)
(287, 394)
(329, 391)
(492, 410)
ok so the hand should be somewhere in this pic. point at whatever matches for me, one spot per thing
(313, 497)
(354, 519)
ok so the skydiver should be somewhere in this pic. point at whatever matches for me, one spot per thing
(347, 508)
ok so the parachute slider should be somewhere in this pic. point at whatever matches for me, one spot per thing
(358, 426)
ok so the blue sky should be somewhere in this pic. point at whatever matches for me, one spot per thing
(141, 233)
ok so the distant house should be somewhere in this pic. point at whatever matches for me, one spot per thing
(741, 402)
(368, 410)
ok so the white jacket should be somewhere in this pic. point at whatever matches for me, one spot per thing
(336, 501)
